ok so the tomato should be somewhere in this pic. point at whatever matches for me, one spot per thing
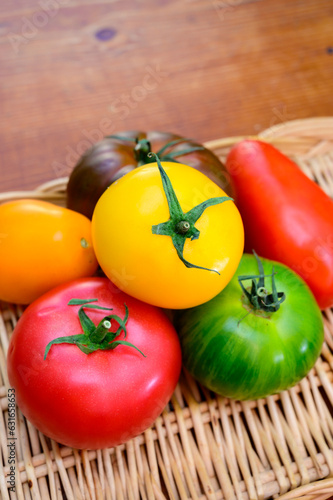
(118, 154)
(287, 217)
(41, 246)
(103, 398)
(249, 348)
(142, 248)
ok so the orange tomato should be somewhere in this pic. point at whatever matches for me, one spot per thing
(42, 245)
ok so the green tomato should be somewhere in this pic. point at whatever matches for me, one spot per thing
(261, 335)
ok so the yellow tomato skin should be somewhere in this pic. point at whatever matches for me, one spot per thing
(41, 246)
(146, 265)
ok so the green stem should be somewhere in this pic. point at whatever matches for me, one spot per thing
(143, 148)
(259, 297)
(141, 151)
(180, 225)
(183, 227)
(94, 338)
(99, 333)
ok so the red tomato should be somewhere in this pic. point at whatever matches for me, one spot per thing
(95, 400)
(286, 216)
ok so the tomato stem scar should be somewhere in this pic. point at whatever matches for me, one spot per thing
(84, 243)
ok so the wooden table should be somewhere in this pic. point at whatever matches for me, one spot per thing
(73, 71)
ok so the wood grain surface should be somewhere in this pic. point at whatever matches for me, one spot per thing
(73, 71)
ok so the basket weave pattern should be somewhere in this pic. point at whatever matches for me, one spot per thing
(203, 445)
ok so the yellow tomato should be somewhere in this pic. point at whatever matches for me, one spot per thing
(146, 264)
(41, 246)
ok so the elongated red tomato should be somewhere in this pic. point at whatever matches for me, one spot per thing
(287, 217)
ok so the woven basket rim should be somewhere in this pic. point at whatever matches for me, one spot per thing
(288, 132)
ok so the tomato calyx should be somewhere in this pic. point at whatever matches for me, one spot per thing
(95, 337)
(258, 296)
(84, 243)
(143, 148)
(181, 225)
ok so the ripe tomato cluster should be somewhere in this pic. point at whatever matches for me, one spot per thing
(94, 360)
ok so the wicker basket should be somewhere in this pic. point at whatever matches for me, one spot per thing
(201, 446)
